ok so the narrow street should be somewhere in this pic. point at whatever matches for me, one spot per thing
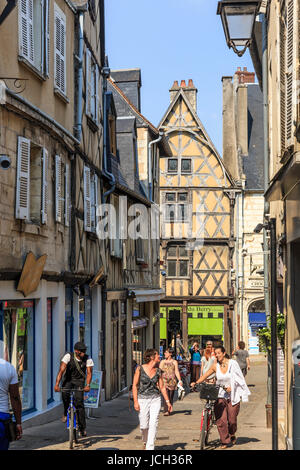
(116, 426)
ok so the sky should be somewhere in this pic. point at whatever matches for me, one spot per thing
(173, 40)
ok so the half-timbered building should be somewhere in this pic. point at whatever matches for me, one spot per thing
(196, 227)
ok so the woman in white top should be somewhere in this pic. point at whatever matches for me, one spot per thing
(232, 389)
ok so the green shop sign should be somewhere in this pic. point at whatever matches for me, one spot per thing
(205, 319)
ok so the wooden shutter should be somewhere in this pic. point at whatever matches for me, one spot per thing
(58, 189)
(291, 46)
(67, 195)
(88, 89)
(26, 45)
(96, 94)
(87, 198)
(282, 85)
(94, 202)
(44, 186)
(23, 179)
(47, 37)
(60, 50)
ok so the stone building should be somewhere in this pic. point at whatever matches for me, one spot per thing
(51, 138)
(196, 196)
(243, 156)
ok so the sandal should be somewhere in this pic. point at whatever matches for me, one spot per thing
(167, 413)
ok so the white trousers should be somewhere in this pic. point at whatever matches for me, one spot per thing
(148, 416)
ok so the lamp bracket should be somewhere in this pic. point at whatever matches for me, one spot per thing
(241, 52)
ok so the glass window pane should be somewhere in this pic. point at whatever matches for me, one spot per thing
(182, 252)
(172, 165)
(170, 196)
(183, 268)
(170, 212)
(182, 212)
(172, 251)
(186, 165)
(171, 268)
(182, 196)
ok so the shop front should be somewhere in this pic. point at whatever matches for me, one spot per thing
(205, 323)
(256, 320)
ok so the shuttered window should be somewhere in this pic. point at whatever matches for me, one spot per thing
(59, 50)
(291, 50)
(58, 189)
(26, 45)
(67, 195)
(92, 86)
(23, 179)
(282, 85)
(87, 199)
(44, 217)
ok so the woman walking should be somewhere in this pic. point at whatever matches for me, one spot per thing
(207, 361)
(242, 357)
(170, 376)
(146, 389)
(232, 389)
(195, 362)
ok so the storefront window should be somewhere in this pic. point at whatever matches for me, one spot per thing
(85, 318)
(69, 319)
(17, 332)
(49, 351)
(139, 324)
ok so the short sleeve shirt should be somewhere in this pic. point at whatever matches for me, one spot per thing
(8, 376)
(67, 357)
(241, 357)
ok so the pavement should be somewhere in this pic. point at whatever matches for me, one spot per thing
(115, 426)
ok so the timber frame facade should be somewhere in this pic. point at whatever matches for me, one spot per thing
(197, 227)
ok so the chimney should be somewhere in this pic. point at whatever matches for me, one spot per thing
(174, 90)
(191, 94)
(244, 76)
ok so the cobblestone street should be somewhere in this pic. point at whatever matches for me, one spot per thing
(116, 426)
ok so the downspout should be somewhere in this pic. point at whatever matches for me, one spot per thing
(150, 163)
(78, 124)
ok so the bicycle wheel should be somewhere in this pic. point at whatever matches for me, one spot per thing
(71, 428)
(203, 432)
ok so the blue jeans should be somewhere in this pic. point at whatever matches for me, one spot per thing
(4, 444)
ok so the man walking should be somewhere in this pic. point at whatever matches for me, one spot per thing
(75, 369)
(242, 357)
(9, 389)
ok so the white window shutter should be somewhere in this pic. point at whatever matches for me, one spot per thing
(26, 38)
(44, 186)
(58, 189)
(96, 199)
(60, 51)
(93, 214)
(47, 38)
(67, 195)
(291, 82)
(87, 198)
(88, 75)
(97, 95)
(23, 179)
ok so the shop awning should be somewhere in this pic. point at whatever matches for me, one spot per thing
(139, 323)
(257, 319)
(285, 180)
(147, 295)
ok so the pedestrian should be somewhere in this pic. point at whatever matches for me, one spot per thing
(75, 369)
(210, 345)
(9, 392)
(207, 362)
(242, 357)
(180, 351)
(232, 389)
(195, 362)
(147, 388)
(170, 376)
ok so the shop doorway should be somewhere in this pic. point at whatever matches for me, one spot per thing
(114, 348)
(256, 320)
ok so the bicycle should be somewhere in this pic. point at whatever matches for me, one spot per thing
(72, 420)
(208, 392)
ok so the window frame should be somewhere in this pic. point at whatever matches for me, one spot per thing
(177, 204)
(185, 160)
(178, 259)
(174, 172)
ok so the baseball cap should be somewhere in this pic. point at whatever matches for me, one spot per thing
(79, 346)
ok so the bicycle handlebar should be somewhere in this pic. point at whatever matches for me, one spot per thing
(71, 390)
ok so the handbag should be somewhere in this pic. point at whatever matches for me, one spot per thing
(10, 429)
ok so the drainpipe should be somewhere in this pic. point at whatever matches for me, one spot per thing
(78, 124)
(150, 162)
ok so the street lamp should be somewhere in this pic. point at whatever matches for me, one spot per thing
(238, 18)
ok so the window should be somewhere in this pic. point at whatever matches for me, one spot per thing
(59, 51)
(34, 34)
(172, 165)
(177, 261)
(90, 190)
(92, 86)
(62, 191)
(186, 165)
(115, 240)
(112, 134)
(139, 250)
(31, 184)
(178, 210)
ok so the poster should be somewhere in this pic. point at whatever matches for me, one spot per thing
(91, 399)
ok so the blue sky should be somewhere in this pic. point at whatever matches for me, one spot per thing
(173, 40)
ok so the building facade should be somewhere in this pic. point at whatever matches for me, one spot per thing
(196, 196)
(243, 156)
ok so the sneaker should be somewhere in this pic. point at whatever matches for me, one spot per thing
(64, 419)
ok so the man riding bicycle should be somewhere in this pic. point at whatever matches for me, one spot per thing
(75, 368)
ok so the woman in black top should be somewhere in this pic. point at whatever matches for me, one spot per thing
(146, 389)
